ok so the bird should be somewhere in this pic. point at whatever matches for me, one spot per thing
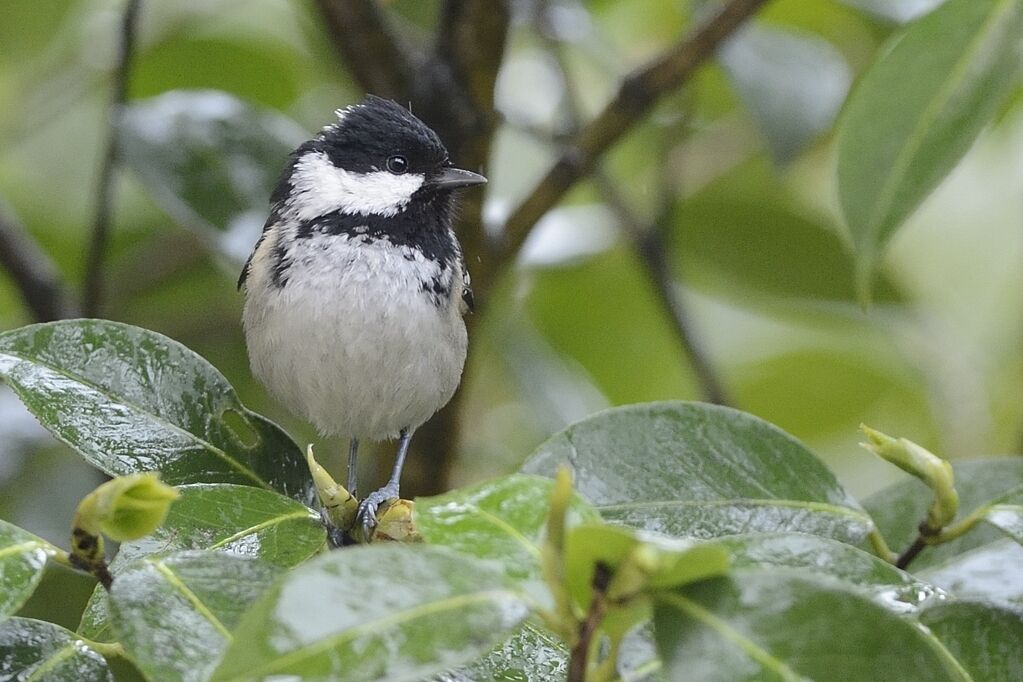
(355, 290)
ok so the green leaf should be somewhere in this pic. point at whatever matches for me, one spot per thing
(34, 650)
(984, 638)
(698, 470)
(210, 161)
(915, 113)
(174, 615)
(530, 655)
(219, 516)
(898, 509)
(132, 400)
(990, 572)
(793, 83)
(821, 557)
(22, 560)
(377, 612)
(501, 520)
(1007, 518)
(765, 625)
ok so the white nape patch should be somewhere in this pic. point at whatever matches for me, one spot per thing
(320, 188)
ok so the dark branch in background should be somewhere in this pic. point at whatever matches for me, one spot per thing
(380, 62)
(647, 240)
(638, 93)
(93, 289)
(35, 275)
(906, 558)
(452, 89)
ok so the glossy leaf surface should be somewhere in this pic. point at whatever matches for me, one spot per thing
(937, 86)
(698, 470)
(34, 650)
(898, 509)
(174, 615)
(378, 612)
(989, 572)
(764, 625)
(219, 516)
(22, 560)
(984, 638)
(531, 654)
(209, 160)
(132, 400)
(500, 520)
(820, 557)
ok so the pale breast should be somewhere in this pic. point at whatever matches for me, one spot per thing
(364, 339)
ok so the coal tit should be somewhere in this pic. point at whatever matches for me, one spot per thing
(355, 291)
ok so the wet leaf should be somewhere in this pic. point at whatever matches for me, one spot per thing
(36, 650)
(937, 86)
(990, 572)
(792, 83)
(174, 615)
(895, 10)
(501, 520)
(898, 509)
(698, 470)
(377, 612)
(22, 560)
(983, 637)
(821, 557)
(530, 655)
(765, 625)
(132, 400)
(1007, 518)
(209, 160)
(219, 516)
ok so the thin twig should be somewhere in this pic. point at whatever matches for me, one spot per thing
(376, 56)
(578, 661)
(93, 289)
(911, 552)
(650, 245)
(35, 275)
(639, 91)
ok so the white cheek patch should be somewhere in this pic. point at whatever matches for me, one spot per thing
(320, 187)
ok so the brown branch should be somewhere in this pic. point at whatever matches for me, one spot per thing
(35, 275)
(639, 91)
(911, 553)
(93, 288)
(578, 662)
(378, 59)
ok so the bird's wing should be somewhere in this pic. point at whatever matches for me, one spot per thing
(274, 218)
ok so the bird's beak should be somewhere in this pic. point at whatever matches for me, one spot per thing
(453, 178)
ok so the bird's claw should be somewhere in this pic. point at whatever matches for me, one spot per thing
(367, 512)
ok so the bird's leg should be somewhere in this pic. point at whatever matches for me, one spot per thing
(353, 474)
(368, 507)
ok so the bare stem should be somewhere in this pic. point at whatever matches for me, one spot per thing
(911, 552)
(638, 92)
(578, 662)
(93, 289)
(35, 275)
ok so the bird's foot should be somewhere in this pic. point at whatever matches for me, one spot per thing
(367, 513)
(335, 536)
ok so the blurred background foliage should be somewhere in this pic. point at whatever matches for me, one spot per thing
(737, 169)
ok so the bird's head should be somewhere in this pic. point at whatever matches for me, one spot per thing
(378, 159)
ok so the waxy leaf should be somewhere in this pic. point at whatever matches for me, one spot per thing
(210, 161)
(219, 516)
(1007, 518)
(174, 615)
(898, 509)
(37, 651)
(990, 572)
(377, 612)
(22, 560)
(698, 470)
(984, 638)
(820, 557)
(531, 654)
(132, 400)
(917, 110)
(500, 520)
(793, 84)
(765, 625)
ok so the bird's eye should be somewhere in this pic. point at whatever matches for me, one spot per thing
(397, 164)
